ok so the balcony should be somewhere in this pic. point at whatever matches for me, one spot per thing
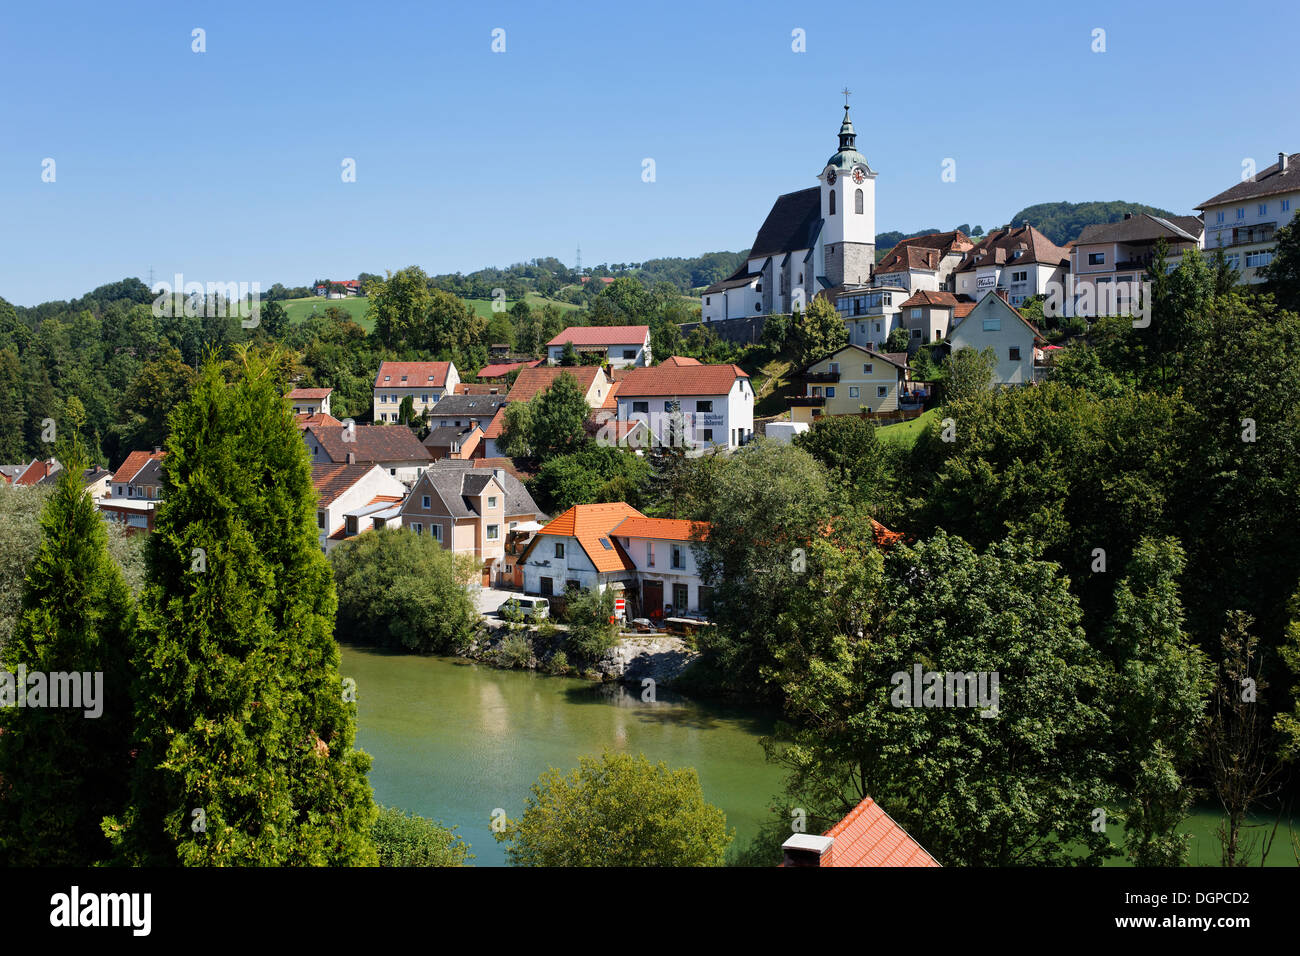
(806, 401)
(820, 376)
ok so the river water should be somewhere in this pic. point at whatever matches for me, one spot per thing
(453, 741)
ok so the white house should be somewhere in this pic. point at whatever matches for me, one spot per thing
(995, 324)
(1021, 262)
(923, 262)
(684, 402)
(651, 560)
(814, 239)
(346, 495)
(1243, 219)
(310, 401)
(870, 314)
(619, 345)
(425, 383)
(1108, 259)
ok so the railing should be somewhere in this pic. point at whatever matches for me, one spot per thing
(820, 376)
(806, 401)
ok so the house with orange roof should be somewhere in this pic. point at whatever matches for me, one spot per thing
(703, 407)
(422, 382)
(348, 496)
(867, 836)
(499, 370)
(135, 491)
(618, 345)
(591, 379)
(310, 401)
(650, 560)
(928, 317)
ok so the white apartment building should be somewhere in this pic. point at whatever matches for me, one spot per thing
(683, 402)
(1243, 219)
(425, 383)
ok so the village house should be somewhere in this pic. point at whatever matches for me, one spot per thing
(1022, 262)
(451, 441)
(482, 388)
(497, 371)
(397, 450)
(700, 406)
(310, 401)
(617, 345)
(923, 262)
(849, 381)
(928, 317)
(650, 560)
(135, 490)
(1108, 259)
(425, 383)
(463, 410)
(347, 496)
(472, 510)
(996, 324)
(870, 314)
(867, 836)
(592, 382)
(1244, 219)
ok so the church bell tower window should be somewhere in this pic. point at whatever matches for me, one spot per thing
(857, 201)
(832, 202)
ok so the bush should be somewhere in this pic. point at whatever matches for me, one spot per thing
(515, 651)
(559, 663)
(410, 840)
(591, 632)
(402, 590)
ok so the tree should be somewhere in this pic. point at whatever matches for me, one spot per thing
(161, 385)
(272, 319)
(594, 474)
(1283, 273)
(617, 810)
(404, 591)
(399, 305)
(244, 730)
(817, 332)
(559, 418)
(65, 768)
(847, 445)
(1007, 773)
(968, 374)
(1162, 688)
(592, 629)
(569, 355)
(897, 341)
(517, 430)
(411, 840)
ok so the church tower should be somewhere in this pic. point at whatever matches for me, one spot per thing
(848, 188)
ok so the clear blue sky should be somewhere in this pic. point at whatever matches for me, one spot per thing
(225, 165)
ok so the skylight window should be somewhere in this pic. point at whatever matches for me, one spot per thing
(607, 545)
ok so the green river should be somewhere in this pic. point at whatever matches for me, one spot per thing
(453, 740)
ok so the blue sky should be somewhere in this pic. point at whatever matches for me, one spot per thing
(225, 165)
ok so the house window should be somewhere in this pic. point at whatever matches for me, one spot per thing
(1286, 205)
(417, 528)
(672, 405)
(1263, 208)
(830, 391)
(425, 398)
(1013, 354)
(857, 201)
(629, 353)
(882, 391)
(1241, 212)
(320, 518)
(708, 434)
(706, 599)
(916, 313)
(866, 366)
(816, 391)
(1019, 276)
(835, 368)
(708, 300)
(704, 406)
(573, 584)
(1096, 258)
(643, 407)
(1218, 217)
(992, 325)
(393, 472)
(1256, 259)
(424, 502)
(559, 549)
(681, 597)
(650, 554)
(547, 586)
(832, 201)
(492, 501)
(493, 532)
(679, 557)
(916, 333)
(853, 391)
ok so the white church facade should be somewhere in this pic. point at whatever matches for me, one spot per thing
(813, 240)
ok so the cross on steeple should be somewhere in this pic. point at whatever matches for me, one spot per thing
(847, 92)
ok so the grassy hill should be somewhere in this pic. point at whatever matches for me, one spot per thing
(299, 310)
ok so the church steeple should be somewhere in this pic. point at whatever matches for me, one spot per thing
(848, 154)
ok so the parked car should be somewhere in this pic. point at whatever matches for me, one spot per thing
(534, 608)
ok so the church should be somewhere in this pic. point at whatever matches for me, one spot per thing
(813, 240)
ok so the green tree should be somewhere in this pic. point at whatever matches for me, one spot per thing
(65, 768)
(817, 332)
(897, 341)
(517, 430)
(402, 590)
(617, 810)
(968, 374)
(569, 355)
(240, 710)
(273, 319)
(161, 385)
(592, 632)
(1283, 273)
(559, 418)
(409, 840)
(594, 474)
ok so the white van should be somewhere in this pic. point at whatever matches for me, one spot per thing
(534, 608)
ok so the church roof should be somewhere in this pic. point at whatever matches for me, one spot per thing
(791, 224)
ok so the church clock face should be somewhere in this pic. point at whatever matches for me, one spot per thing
(858, 174)
(830, 176)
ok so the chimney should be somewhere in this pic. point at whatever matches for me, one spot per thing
(500, 475)
(1281, 162)
(352, 458)
(1002, 294)
(1128, 215)
(805, 849)
(1026, 224)
(157, 449)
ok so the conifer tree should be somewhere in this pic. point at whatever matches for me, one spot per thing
(245, 736)
(62, 769)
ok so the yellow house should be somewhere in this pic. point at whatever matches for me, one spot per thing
(847, 382)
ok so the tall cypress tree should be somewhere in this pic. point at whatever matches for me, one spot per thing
(62, 771)
(245, 740)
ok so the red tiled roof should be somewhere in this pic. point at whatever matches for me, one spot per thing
(680, 360)
(502, 369)
(369, 443)
(602, 335)
(664, 529)
(869, 837)
(676, 379)
(306, 420)
(999, 248)
(34, 472)
(479, 388)
(611, 399)
(497, 425)
(534, 381)
(962, 309)
(134, 462)
(589, 524)
(330, 481)
(309, 393)
(412, 374)
(923, 297)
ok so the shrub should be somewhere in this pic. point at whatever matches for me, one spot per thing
(560, 663)
(515, 651)
(410, 840)
(591, 632)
